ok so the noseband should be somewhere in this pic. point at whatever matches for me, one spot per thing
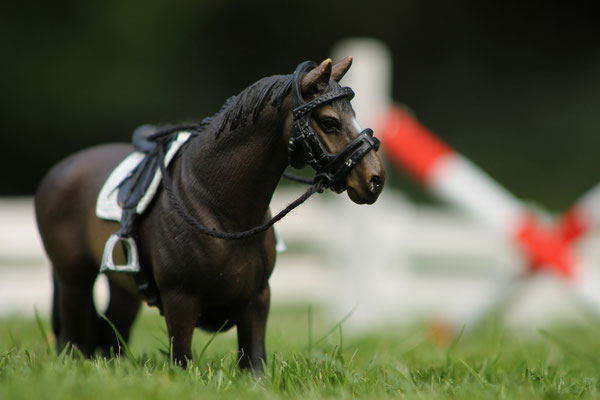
(305, 146)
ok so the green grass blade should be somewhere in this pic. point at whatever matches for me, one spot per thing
(570, 348)
(474, 373)
(43, 332)
(337, 326)
(310, 328)
(210, 340)
(454, 342)
(128, 351)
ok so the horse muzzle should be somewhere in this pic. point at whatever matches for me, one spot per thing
(365, 182)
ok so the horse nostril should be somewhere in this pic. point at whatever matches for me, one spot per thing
(375, 184)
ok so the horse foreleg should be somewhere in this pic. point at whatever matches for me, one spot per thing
(181, 314)
(251, 326)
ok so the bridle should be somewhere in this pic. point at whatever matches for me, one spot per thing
(305, 146)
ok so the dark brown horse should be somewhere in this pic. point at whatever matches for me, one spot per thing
(225, 179)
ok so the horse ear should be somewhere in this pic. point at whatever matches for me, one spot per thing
(317, 79)
(340, 68)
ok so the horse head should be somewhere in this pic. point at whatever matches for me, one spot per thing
(330, 138)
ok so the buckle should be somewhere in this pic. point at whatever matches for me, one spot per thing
(131, 252)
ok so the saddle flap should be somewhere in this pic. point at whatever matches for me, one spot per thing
(135, 186)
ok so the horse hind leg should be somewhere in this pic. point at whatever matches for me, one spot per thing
(74, 314)
(55, 314)
(122, 310)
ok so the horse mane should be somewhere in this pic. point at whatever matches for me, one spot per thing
(250, 102)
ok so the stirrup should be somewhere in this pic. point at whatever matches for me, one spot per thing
(130, 248)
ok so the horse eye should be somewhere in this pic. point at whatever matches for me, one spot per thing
(329, 125)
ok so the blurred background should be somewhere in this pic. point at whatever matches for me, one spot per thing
(515, 86)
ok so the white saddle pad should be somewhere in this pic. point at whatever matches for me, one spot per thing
(107, 206)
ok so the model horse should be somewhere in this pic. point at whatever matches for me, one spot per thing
(224, 178)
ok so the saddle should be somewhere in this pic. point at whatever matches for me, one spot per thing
(134, 186)
(125, 196)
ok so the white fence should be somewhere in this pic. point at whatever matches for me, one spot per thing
(392, 263)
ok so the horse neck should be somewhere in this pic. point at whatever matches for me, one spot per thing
(236, 174)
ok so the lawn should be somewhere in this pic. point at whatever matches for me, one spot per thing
(310, 357)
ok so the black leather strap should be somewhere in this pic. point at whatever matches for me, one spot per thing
(345, 160)
(328, 97)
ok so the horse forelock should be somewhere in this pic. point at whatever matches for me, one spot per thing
(343, 104)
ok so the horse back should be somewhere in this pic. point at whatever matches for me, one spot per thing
(65, 205)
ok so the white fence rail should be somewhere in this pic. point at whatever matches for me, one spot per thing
(393, 261)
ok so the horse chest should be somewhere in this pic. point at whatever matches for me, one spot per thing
(215, 274)
(240, 275)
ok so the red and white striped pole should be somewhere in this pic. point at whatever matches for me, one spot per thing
(456, 180)
(446, 173)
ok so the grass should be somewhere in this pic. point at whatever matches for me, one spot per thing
(309, 358)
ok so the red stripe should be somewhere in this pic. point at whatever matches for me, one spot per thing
(418, 150)
(545, 247)
(572, 225)
(410, 144)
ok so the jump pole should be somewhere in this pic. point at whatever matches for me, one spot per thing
(456, 180)
(451, 177)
